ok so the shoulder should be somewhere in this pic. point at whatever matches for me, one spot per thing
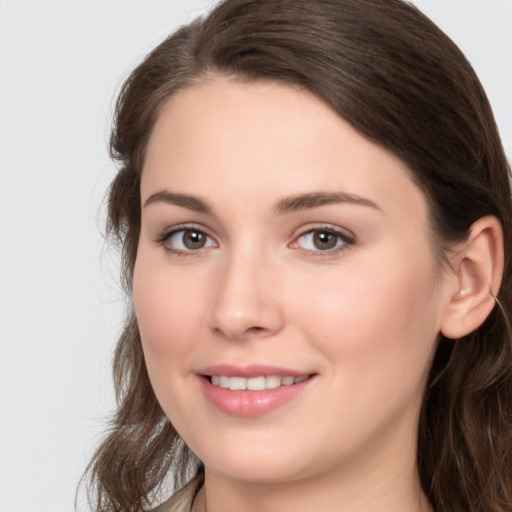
(181, 500)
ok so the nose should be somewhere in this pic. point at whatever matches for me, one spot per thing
(244, 301)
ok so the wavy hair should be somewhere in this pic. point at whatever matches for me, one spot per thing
(403, 84)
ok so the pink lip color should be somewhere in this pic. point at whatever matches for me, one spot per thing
(250, 403)
(253, 370)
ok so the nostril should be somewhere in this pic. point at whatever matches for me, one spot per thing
(243, 319)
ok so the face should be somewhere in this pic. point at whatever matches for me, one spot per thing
(286, 287)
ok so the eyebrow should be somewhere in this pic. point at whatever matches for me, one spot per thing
(315, 199)
(285, 205)
(183, 200)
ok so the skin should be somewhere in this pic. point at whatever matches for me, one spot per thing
(363, 317)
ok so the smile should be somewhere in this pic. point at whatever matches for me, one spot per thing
(252, 390)
(259, 383)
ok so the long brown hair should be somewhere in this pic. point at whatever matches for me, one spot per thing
(403, 84)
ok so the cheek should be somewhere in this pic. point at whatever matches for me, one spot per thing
(378, 325)
(166, 317)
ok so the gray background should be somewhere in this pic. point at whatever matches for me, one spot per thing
(61, 62)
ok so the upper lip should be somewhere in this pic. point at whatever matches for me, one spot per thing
(254, 370)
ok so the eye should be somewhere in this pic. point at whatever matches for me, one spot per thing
(323, 240)
(186, 240)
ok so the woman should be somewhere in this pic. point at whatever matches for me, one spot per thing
(315, 217)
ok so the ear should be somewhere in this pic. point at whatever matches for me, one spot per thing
(478, 269)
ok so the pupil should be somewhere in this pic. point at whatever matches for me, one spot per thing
(325, 240)
(194, 239)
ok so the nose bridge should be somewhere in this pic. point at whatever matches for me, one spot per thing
(243, 302)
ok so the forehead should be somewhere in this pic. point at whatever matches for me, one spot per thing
(231, 140)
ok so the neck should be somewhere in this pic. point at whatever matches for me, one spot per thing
(376, 483)
(302, 498)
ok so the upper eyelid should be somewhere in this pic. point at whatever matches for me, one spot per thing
(163, 239)
(170, 230)
(308, 228)
(343, 232)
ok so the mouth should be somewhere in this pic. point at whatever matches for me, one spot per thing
(254, 395)
(253, 390)
(257, 383)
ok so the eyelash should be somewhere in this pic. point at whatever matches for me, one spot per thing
(343, 240)
(167, 235)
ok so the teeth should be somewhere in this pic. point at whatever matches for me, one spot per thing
(287, 381)
(272, 382)
(238, 383)
(224, 382)
(255, 383)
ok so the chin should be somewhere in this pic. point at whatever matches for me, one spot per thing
(259, 470)
(266, 461)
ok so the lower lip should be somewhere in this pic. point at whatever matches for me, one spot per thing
(251, 403)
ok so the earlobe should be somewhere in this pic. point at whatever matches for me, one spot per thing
(478, 269)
